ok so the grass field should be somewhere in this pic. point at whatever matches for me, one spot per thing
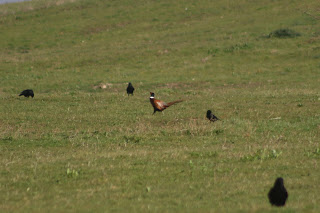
(75, 148)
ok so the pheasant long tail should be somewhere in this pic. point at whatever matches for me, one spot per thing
(173, 102)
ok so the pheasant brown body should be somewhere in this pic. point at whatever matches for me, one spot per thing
(159, 105)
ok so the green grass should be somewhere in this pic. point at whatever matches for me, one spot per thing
(74, 148)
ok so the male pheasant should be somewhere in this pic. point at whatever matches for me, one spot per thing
(159, 105)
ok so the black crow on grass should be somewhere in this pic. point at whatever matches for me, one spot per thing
(130, 89)
(27, 93)
(211, 116)
(278, 194)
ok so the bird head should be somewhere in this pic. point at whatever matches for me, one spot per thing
(151, 95)
(31, 93)
(279, 182)
(208, 112)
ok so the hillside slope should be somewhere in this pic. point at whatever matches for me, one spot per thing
(75, 147)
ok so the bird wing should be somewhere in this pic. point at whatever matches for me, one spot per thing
(160, 105)
(214, 118)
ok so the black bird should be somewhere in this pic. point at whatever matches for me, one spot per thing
(211, 116)
(27, 93)
(278, 194)
(130, 89)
